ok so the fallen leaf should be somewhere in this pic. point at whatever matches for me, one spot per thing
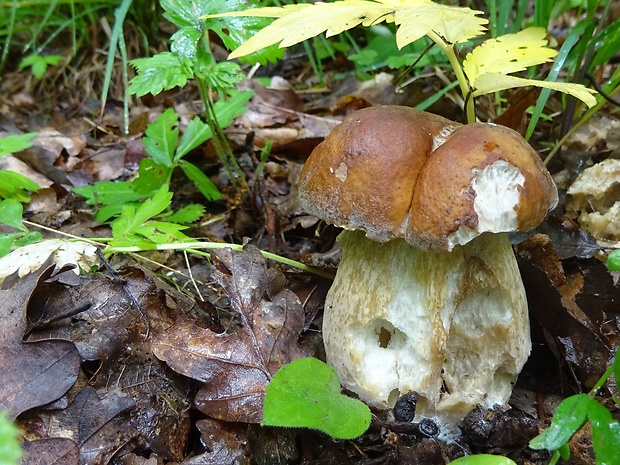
(236, 367)
(87, 414)
(36, 373)
(52, 451)
(29, 258)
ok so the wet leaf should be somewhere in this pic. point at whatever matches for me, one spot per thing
(482, 459)
(569, 417)
(37, 373)
(306, 393)
(53, 451)
(87, 414)
(226, 443)
(236, 367)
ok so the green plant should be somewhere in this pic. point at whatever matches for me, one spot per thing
(613, 261)
(190, 57)
(39, 63)
(487, 69)
(166, 151)
(571, 415)
(14, 185)
(306, 394)
(11, 212)
(10, 452)
(482, 459)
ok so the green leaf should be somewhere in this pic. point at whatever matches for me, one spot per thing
(182, 12)
(188, 214)
(197, 133)
(10, 451)
(203, 183)
(613, 264)
(39, 63)
(6, 243)
(220, 76)
(161, 232)
(606, 441)
(160, 72)
(184, 42)
(11, 212)
(28, 238)
(227, 110)
(131, 219)
(569, 417)
(235, 30)
(15, 185)
(483, 459)
(306, 393)
(161, 137)
(109, 193)
(564, 451)
(606, 44)
(151, 176)
(16, 143)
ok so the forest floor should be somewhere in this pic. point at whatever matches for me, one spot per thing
(145, 361)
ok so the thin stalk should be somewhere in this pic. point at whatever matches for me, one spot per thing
(219, 139)
(70, 236)
(450, 51)
(10, 29)
(204, 94)
(195, 248)
(190, 247)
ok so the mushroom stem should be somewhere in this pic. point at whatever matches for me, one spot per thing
(452, 326)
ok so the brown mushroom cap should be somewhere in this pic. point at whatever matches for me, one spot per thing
(399, 172)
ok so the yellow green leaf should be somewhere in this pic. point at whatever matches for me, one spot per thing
(493, 82)
(508, 54)
(416, 18)
(455, 24)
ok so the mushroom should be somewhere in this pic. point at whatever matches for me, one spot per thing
(427, 296)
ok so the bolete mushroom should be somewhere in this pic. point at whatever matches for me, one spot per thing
(428, 296)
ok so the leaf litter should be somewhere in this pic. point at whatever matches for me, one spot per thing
(142, 410)
(236, 365)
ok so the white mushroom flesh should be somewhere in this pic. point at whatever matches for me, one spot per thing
(452, 326)
(497, 189)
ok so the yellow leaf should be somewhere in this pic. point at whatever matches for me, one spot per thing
(305, 21)
(508, 54)
(416, 18)
(454, 24)
(493, 82)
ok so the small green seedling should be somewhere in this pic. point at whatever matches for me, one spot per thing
(10, 452)
(613, 261)
(306, 394)
(570, 416)
(39, 63)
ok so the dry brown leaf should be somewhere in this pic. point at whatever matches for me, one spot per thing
(36, 373)
(236, 367)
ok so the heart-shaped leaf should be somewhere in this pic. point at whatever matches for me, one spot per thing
(306, 393)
